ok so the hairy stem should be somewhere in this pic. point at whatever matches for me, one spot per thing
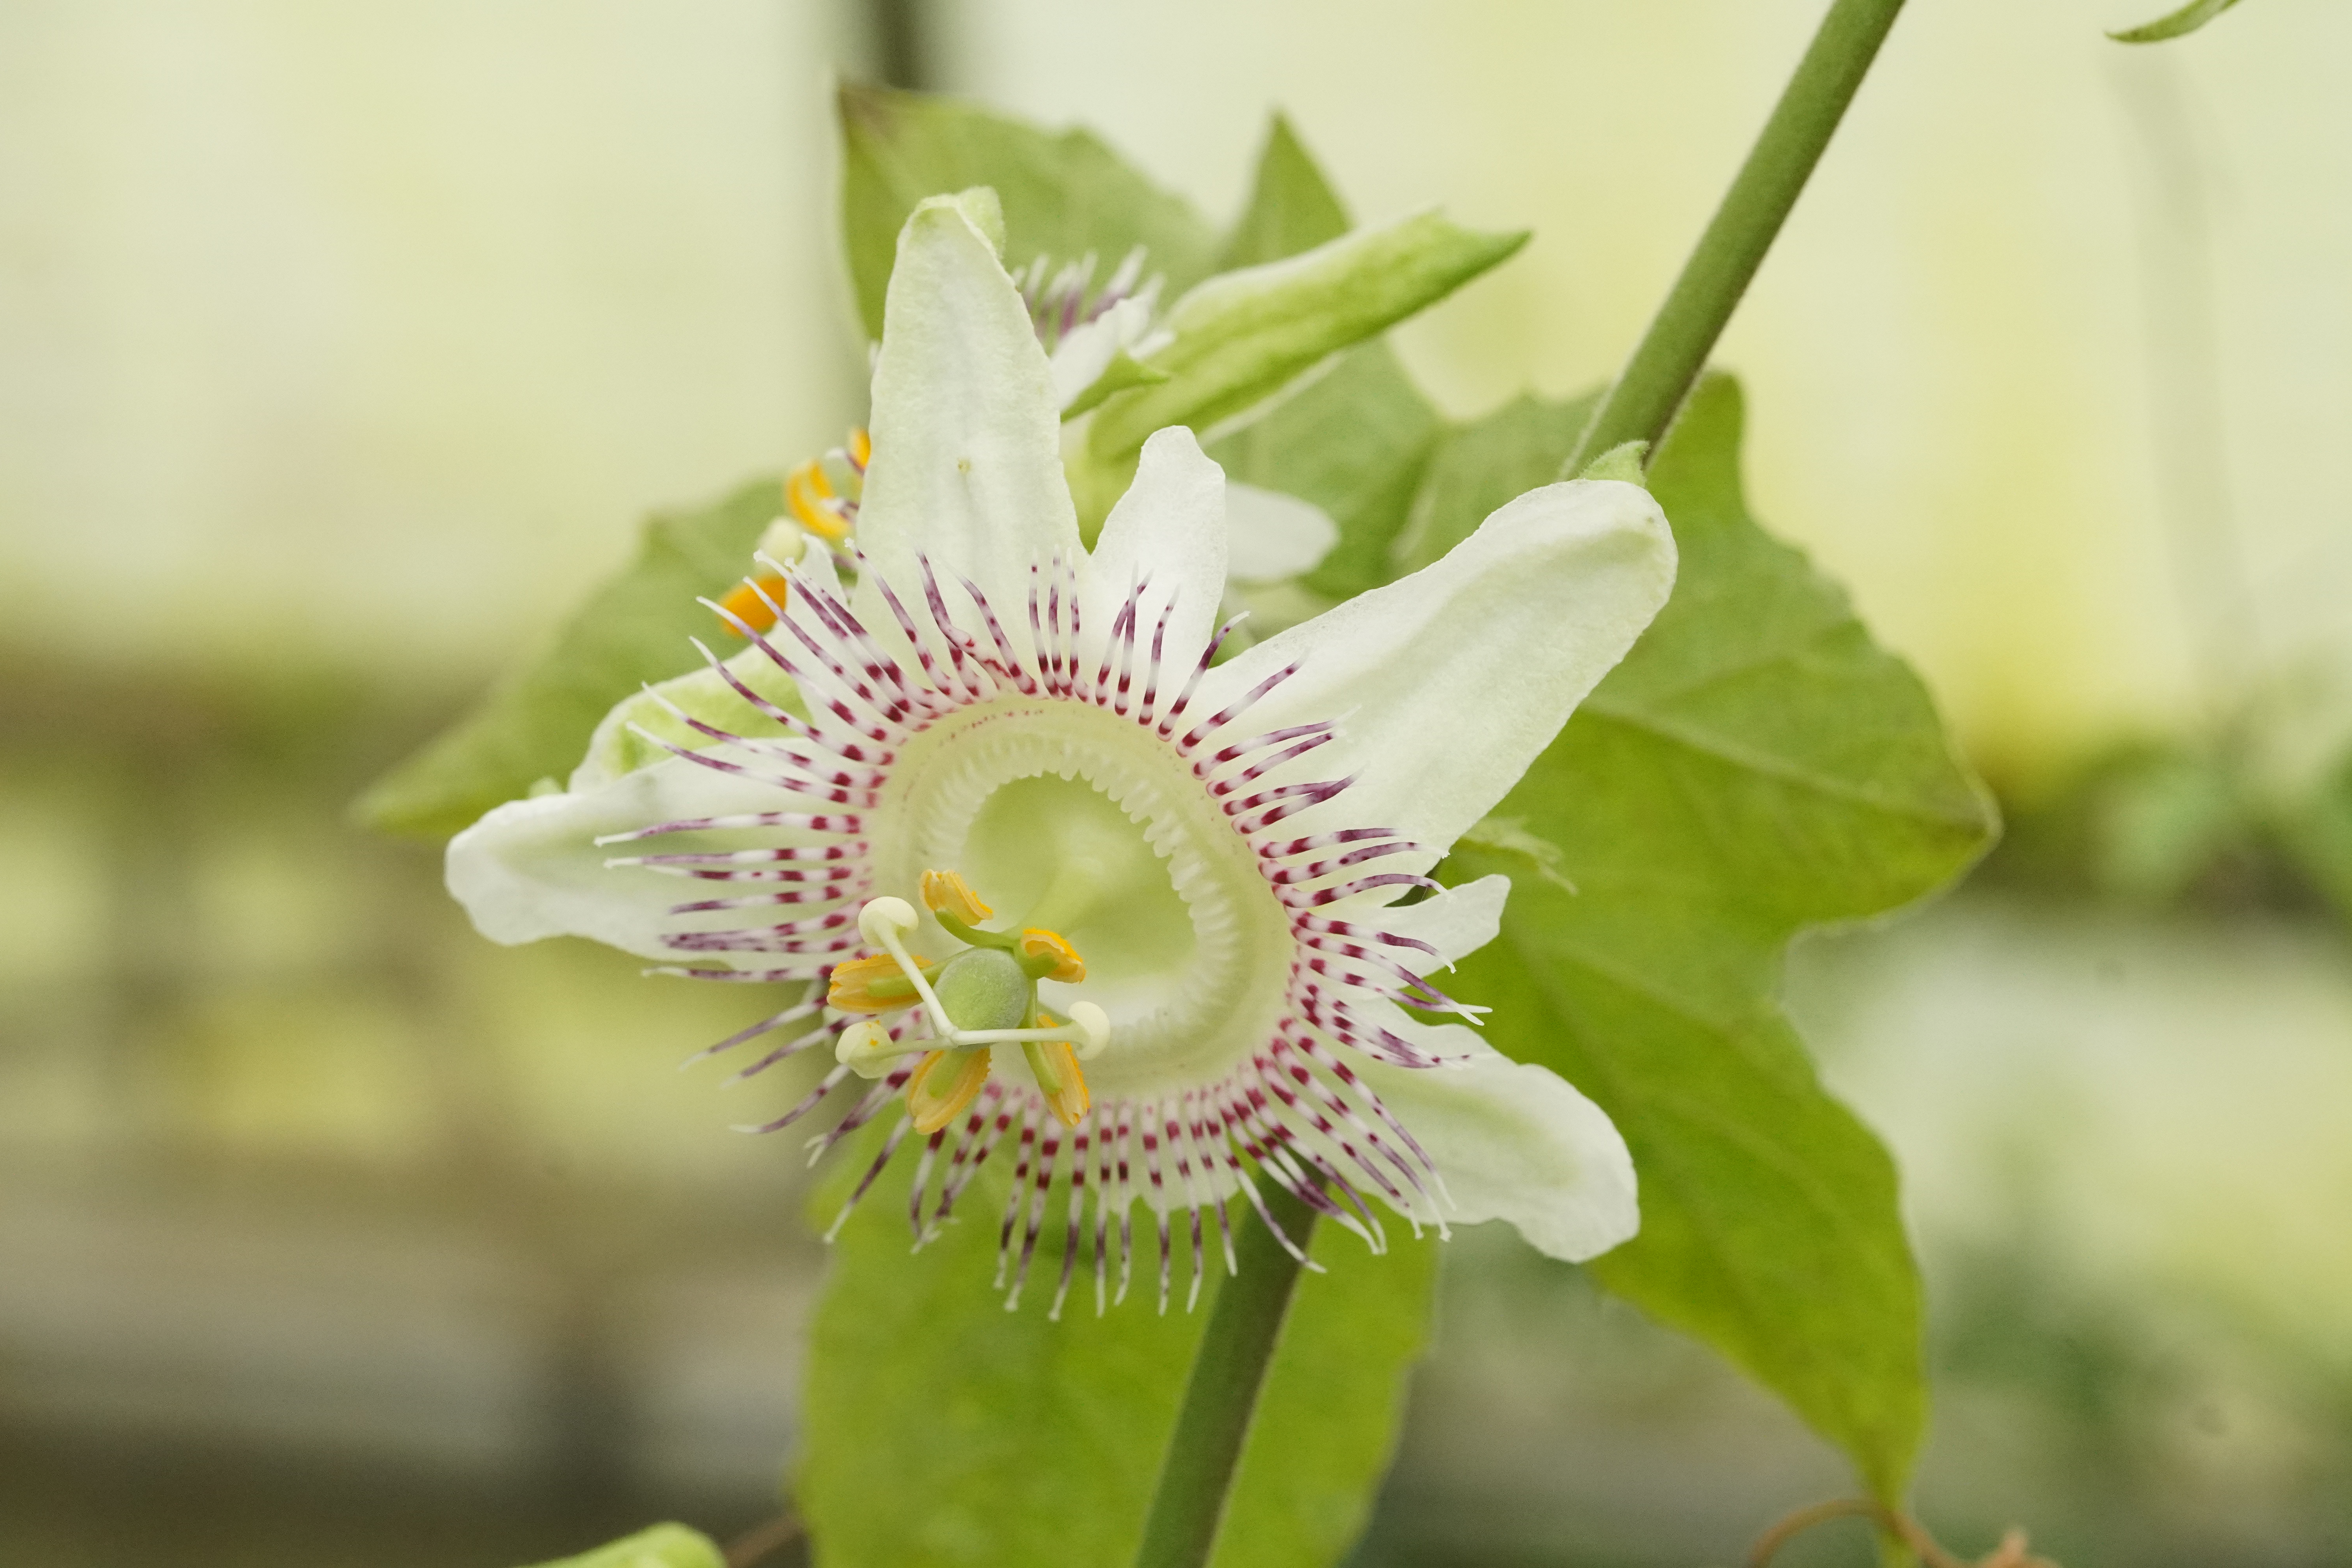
(1673, 353)
(1236, 1348)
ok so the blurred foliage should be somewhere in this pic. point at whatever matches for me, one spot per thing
(534, 724)
(2188, 822)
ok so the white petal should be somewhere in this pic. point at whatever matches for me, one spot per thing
(531, 868)
(967, 464)
(1456, 922)
(1085, 352)
(1273, 536)
(1168, 531)
(1516, 1142)
(1449, 682)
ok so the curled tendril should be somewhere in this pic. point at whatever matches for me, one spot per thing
(2010, 1554)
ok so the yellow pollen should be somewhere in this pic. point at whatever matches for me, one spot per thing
(872, 984)
(933, 1106)
(745, 602)
(1068, 1095)
(947, 893)
(1069, 968)
(861, 448)
(805, 492)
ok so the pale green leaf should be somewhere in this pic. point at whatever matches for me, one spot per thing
(942, 1429)
(1123, 371)
(1354, 440)
(1244, 335)
(2175, 24)
(663, 1546)
(536, 721)
(1065, 193)
(1754, 766)
(1625, 462)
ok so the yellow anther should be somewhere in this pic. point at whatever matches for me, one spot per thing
(744, 602)
(933, 1105)
(873, 985)
(1068, 967)
(1055, 1067)
(805, 492)
(861, 449)
(946, 893)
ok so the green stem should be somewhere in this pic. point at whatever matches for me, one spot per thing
(1227, 1374)
(1667, 362)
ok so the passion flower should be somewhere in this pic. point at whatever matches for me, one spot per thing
(1218, 968)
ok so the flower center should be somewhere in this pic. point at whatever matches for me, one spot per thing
(1061, 854)
(1088, 824)
(985, 997)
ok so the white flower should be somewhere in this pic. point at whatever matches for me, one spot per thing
(1223, 851)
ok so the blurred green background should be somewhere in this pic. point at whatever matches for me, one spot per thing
(341, 346)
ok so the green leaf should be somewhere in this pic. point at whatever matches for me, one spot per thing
(1065, 193)
(536, 721)
(1242, 336)
(1291, 207)
(1754, 766)
(2173, 25)
(1354, 440)
(1509, 836)
(1475, 467)
(942, 1429)
(663, 1546)
(1123, 371)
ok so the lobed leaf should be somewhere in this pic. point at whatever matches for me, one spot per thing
(1754, 766)
(1292, 206)
(535, 723)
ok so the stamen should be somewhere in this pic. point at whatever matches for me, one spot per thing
(945, 892)
(814, 505)
(945, 1082)
(754, 602)
(876, 984)
(1048, 955)
(1055, 1067)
